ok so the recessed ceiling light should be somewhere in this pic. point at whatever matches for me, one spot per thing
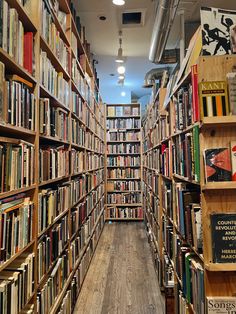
(121, 69)
(123, 94)
(118, 2)
(102, 18)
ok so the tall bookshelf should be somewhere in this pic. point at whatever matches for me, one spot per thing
(179, 203)
(123, 162)
(52, 149)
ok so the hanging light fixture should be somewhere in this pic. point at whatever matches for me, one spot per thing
(118, 2)
(121, 69)
(119, 58)
(121, 77)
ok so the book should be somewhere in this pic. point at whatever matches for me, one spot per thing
(195, 96)
(111, 111)
(127, 110)
(197, 232)
(233, 159)
(215, 24)
(217, 164)
(119, 111)
(223, 238)
(220, 305)
(231, 80)
(213, 98)
(2, 93)
(28, 52)
(233, 38)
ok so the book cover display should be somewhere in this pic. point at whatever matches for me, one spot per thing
(223, 228)
(214, 98)
(217, 165)
(217, 30)
(221, 305)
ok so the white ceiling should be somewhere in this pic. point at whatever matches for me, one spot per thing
(103, 36)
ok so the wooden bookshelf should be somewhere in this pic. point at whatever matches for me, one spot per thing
(166, 132)
(68, 192)
(123, 126)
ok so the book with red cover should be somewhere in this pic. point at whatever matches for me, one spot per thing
(28, 52)
(217, 164)
(195, 102)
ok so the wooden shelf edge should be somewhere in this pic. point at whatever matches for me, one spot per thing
(220, 267)
(225, 185)
(22, 190)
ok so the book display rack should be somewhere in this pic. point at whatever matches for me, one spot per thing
(52, 148)
(123, 162)
(189, 189)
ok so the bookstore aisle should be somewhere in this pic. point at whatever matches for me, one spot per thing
(121, 278)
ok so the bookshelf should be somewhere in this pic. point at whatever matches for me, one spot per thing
(123, 162)
(179, 202)
(52, 154)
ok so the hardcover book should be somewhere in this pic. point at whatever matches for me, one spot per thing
(214, 98)
(216, 24)
(127, 111)
(119, 111)
(217, 164)
(223, 241)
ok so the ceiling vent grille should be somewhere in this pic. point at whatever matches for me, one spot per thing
(133, 18)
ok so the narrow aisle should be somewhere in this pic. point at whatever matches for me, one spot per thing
(121, 278)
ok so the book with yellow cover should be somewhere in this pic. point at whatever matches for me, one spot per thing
(213, 98)
(110, 111)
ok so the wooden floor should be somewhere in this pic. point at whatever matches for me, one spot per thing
(121, 278)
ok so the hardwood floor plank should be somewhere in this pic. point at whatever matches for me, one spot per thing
(121, 278)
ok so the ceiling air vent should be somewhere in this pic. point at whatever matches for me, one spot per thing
(132, 18)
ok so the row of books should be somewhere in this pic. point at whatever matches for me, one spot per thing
(51, 245)
(14, 39)
(85, 183)
(124, 161)
(70, 297)
(77, 133)
(186, 155)
(125, 212)
(56, 280)
(151, 179)
(189, 214)
(152, 159)
(17, 101)
(54, 6)
(123, 173)
(17, 285)
(53, 162)
(16, 225)
(123, 148)
(77, 105)
(85, 139)
(85, 232)
(183, 108)
(88, 210)
(122, 111)
(191, 272)
(17, 160)
(119, 123)
(53, 121)
(123, 136)
(51, 34)
(53, 81)
(167, 199)
(84, 161)
(123, 185)
(153, 225)
(124, 198)
(152, 203)
(52, 202)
